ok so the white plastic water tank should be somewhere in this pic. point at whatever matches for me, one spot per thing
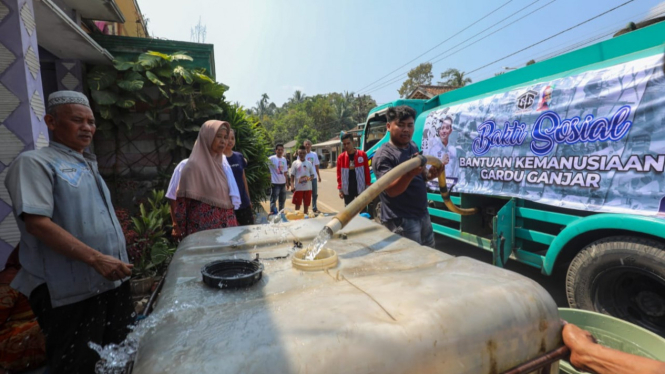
(390, 306)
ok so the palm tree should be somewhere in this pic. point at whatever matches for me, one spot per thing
(298, 97)
(263, 108)
(349, 98)
(454, 78)
(343, 114)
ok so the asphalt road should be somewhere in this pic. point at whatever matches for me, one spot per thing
(330, 202)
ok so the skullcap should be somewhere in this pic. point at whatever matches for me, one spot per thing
(67, 97)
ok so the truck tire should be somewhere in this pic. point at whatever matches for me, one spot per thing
(623, 277)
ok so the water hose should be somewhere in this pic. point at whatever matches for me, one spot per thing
(360, 202)
(445, 195)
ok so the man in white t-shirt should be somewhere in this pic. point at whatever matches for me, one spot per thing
(442, 149)
(234, 193)
(313, 158)
(302, 175)
(278, 178)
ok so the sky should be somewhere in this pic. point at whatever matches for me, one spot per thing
(318, 46)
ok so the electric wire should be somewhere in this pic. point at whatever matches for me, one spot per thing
(552, 36)
(523, 49)
(436, 46)
(400, 77)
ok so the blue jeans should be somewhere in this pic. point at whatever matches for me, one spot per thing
(315, 192)
(417, 229)
(278, 192)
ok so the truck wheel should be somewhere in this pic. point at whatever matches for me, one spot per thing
(623, 277)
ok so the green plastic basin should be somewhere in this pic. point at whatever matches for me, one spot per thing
(614, 333)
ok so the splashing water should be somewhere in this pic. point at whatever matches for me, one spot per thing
(277, 218)
(317, 244)
(114, 358)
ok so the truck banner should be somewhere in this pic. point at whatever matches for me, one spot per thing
(592, 140)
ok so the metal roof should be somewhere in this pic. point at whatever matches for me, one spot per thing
(60, 35)
(327, 144)
(99, 10)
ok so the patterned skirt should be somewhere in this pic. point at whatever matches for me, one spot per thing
(22, 345)
(194, 216)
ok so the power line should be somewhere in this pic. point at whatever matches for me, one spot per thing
(486, 36)
(553, 36)
(535, 44)
(565, 47)
(400, 77)
(394, 79)
(429, 50)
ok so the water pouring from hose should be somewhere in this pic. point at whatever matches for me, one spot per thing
(357, 205)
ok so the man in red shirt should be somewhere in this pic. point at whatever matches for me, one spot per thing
(352, 171)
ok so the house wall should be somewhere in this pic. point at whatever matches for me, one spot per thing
(134, 23)
(22, 126)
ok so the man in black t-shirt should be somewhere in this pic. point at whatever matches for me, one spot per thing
(404, 202)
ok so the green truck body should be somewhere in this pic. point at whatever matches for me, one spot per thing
(546, 236)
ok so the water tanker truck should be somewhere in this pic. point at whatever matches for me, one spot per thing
(564, 160)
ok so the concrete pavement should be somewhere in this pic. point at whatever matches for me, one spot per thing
(328, 201)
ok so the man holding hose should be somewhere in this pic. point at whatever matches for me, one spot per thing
(404, 202)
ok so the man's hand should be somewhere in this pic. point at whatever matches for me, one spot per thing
(341, 195)
(580, 342)
(434, 172)
(61, 241)
(293, 188)
(319, 179)
(586, 354)
(110, 267)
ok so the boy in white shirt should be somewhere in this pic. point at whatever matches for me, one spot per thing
(313, 158)
(302, 174)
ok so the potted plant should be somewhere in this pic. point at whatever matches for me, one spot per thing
(148, 265)
(147, 246)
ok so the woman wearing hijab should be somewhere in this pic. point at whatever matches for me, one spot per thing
(203, 200)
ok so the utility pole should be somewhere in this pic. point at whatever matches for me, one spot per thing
(199, 33)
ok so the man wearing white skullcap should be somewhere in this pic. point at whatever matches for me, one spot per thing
(75, 269)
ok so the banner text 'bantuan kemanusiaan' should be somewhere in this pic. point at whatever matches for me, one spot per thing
(593, 140)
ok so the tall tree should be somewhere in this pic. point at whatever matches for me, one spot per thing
(420, 75)
(454, 78)
(263, 108)
(324, 114)
(306, 133)
(362, 105)
(343, 115)
(298, 97)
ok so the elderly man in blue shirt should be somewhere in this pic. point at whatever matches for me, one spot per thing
(74, 262)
